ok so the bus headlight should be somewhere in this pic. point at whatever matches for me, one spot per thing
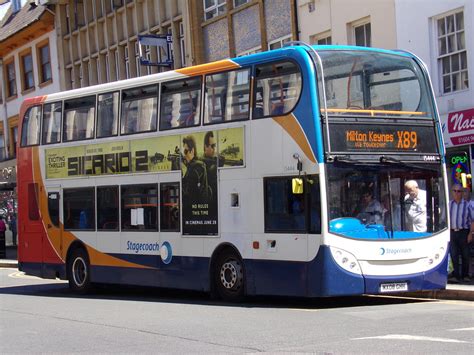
(436, 257)
(345, 260)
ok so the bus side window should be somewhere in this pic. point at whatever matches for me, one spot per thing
(139, 110)
(79, 119)
(30, 131)
(284, 211)
(53, 207)
(277, 90)
(107, 114)
(227, 96)
(79, 208)
(107, 208)
(180, 103)
(169, 207)
(52, 123)
(139, 207)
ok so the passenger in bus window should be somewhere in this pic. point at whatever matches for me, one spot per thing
(415, 207)
(372, 211)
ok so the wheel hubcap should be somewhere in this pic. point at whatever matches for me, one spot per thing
(79, 271)
(231, 274)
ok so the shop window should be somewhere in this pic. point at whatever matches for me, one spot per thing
(140, 207)
(108, 208)
(79, 208)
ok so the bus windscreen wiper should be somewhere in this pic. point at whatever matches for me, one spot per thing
(346, 159)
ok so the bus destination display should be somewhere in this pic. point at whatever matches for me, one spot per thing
(388, 138)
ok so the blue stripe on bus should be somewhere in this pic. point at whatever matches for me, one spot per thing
(279, 278)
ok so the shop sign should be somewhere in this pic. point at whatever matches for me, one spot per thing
(461, 127)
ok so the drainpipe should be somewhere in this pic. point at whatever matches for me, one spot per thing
(5, 120)
(297, 28)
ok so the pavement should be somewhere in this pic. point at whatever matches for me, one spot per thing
(454, 291)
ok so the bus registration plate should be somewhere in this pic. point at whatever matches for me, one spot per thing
(394, 287)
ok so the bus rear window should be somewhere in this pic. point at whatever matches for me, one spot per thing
(79, 119)
(277, 89)
(30, 132)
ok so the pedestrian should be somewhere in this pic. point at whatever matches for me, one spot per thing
(13, 228)
(3, 228)
(462, 227)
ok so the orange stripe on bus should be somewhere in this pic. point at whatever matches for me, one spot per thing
(291, 125)
(220, 65)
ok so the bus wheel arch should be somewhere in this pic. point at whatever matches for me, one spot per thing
(78, 268)
(227, 274)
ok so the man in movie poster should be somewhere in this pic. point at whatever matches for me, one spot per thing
(198, 218)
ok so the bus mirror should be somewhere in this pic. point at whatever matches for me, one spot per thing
(297, 186)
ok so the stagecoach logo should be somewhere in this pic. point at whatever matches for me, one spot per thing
(394, 251)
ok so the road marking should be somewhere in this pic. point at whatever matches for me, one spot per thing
(412, 337)
(461, 329)
(21, 275)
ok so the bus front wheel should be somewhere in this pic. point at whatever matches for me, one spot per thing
(229, 277)
(79, 271)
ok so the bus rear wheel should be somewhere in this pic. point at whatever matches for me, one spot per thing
(79, 271)
(229, 277)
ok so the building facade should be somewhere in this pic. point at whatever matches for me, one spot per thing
(441, 34)
(28, 63)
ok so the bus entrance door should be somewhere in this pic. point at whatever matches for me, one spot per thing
(52, 244)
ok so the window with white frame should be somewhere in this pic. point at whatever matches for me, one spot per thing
(182, 47)
(250, 51)
(452, 54)
(127, 62)
(213, 8)
(321, 39)
(278, 43)
(137, 59)
(362, 34)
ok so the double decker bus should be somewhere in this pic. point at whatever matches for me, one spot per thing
(279, 173)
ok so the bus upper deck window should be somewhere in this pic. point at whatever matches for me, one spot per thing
(107, 114)
(78, 123)
(180, 103)
(227, 96)
(51, 123)
(277, 90)
(30, 134)
(139, 110)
